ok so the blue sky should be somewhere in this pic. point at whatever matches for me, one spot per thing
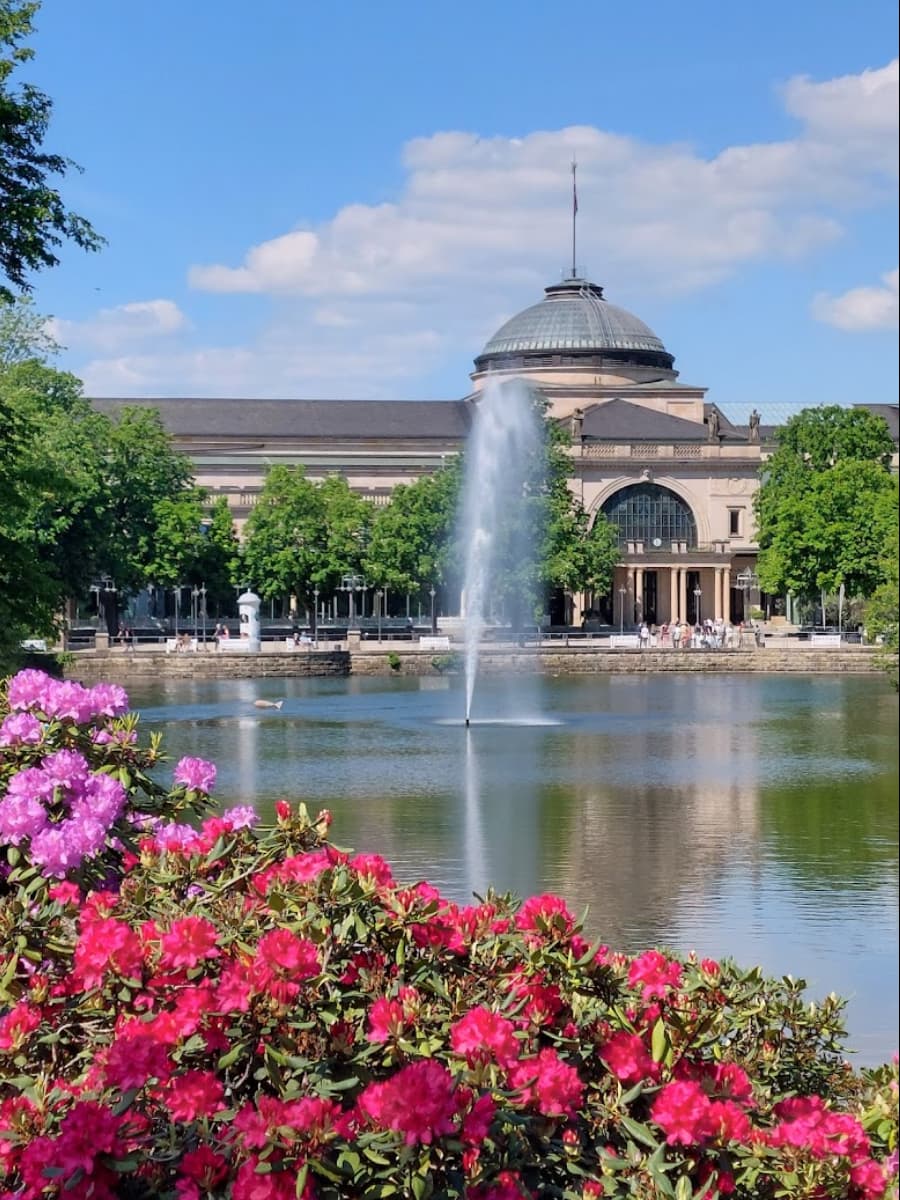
(346, 200)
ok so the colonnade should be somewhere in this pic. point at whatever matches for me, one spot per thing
(676, 597)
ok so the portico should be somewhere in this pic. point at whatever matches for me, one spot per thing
(661, 589)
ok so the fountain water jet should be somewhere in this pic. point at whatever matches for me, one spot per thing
(506, 438)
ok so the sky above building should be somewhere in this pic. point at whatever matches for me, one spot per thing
(347, 200)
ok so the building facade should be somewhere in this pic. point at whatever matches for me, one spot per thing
(649, 452)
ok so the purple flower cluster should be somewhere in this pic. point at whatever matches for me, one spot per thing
(57, 699)
(63, 808)
(196, 774)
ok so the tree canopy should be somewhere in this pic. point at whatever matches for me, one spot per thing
(823, 508)
(83, 496)
(34, 220)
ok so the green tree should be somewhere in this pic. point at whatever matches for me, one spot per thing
(140, 471)
(882, 612)
(286, 538)
(34, 221)
(411, 543)
(348, 518)
(814, 508)
(219, 566)
(577, 555)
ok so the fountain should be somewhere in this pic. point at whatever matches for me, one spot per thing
(501, 457)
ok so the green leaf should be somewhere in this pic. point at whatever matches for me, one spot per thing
(659, 1041)
(639, 1132)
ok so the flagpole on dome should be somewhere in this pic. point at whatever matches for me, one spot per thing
(574, 216)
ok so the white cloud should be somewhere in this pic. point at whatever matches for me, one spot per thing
(282, 364)
(862, 309)
(112, 329)
(662, 216)
(383, 294)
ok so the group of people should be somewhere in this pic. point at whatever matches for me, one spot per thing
(705, 635)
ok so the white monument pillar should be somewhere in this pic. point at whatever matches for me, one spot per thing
(248, 610)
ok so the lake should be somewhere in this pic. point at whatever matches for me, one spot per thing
(748, 816)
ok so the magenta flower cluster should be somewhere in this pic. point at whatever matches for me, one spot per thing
(196, 775)
(63, 809)
(32, 694)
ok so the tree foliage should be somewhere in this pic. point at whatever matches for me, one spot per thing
(412, 539)
(82, 496)
(34, 221)
(883, 608)
(285, 537)
(821, 508)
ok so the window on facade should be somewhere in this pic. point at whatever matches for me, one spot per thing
(646, 512)
(734, 521)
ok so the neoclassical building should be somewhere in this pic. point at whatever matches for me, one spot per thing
(651, 453)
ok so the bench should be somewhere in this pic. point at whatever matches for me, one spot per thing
(173, 647)
(434, 643)
(825, 639)
(624, 641)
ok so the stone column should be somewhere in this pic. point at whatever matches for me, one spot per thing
(717, 595)
(673, 594)
(682, 593)
(639, 594)
(726, 593)
(629, 596)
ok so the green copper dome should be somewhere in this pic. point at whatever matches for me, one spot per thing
(574, 321)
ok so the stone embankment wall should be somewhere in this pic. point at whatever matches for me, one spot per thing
(120, 667)
(91, 667)
(576, 661)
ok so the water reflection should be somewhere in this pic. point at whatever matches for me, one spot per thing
(750, 816)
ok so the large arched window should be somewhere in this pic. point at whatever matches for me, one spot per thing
(648, 513)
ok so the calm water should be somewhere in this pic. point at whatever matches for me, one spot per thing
(751, 816)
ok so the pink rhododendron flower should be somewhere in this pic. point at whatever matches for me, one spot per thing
(187, 942)
(544, 915)
(391, 1019)
(23, 1018)
(682, 1111)
(482, 1036)
(419, 1102)
(548, 1084)
(104, 945)
(204, 1167)
(628, 1058)
(656, 973)
(133, 1060)
(372, 867)
(194, 1094)
(196, 774)
(21, 729)
(108, 700)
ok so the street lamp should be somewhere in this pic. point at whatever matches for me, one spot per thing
(697, 595)
(622, 593)
(202, 592)
(316, 614)
(176, 592)
(352, 583)
(746, 581)
(379, 599)
(432, 594)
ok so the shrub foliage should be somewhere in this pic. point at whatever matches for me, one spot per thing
(222, 1009)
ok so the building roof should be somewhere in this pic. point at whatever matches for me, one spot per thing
(575, 320)
(622, 421)
(444, 420)
(890, 414)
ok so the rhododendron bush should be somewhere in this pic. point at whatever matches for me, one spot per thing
(196, 1008)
